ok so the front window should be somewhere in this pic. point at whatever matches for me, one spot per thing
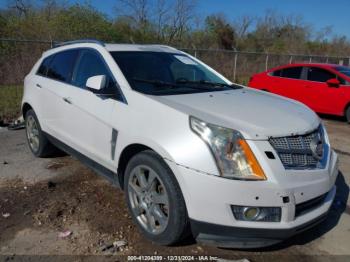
(159, 73)
(319, 75)
(90, 64)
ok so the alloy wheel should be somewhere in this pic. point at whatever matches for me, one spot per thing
(32, 133)
(149, 199)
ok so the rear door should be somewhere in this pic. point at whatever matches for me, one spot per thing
(89, 120)
(55, 83)
(41, 93)
(324, 98)
(287, 82)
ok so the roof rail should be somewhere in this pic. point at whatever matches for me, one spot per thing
(81, 41)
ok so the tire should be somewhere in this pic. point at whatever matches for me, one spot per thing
(171, 209)
(37, 142)
(347, 114)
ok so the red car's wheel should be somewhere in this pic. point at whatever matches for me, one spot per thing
(347, 114)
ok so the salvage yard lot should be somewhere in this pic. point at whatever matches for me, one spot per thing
(44, 197)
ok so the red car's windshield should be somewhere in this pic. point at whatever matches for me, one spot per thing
(343, 69)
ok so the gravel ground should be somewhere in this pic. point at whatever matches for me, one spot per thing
(45, 197)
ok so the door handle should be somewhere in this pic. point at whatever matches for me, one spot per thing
(67, 100)
(37, 85)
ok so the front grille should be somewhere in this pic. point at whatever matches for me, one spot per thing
(309, 205)
(296, 152)
(298, 160)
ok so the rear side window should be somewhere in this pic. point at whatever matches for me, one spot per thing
(91, 64)
(277, 73)
(44, 66)
(62, 65)
(290, 72)
(319, 74)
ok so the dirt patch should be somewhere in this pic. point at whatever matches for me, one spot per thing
(93, 210)
(78, 201)
(47, 196)
(58, 204)
(55, 165)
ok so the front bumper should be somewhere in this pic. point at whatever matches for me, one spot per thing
(242, 237)
(209, 199)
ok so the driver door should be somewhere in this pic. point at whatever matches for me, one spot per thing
(324, 97)
(89, 119)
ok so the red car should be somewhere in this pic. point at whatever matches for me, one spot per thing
(325, 88)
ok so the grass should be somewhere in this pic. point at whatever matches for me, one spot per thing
(10, 101)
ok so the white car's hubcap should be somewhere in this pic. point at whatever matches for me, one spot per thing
(32, 133)
(149, 199)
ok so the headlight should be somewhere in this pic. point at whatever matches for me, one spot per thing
(233, 156)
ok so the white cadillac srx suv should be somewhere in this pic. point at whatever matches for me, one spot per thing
(195, 154)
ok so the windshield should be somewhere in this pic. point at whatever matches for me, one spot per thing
(344, 70)
(159, 73)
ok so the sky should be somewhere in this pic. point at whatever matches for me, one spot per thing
(317, 13)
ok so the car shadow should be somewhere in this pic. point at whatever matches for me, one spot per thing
(340, 119)
(338, 207)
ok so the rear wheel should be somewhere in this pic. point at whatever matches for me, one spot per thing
(154, 199)
(38, 143)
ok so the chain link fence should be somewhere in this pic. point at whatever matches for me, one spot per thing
(18, 56)
(240, 66)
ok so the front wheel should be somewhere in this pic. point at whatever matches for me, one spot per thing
(154, 199)
(347, 114)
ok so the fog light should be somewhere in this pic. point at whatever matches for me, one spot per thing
(258, 214)
(251, 213)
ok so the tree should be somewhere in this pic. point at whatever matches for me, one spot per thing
(183, 14)
(157, 20)
(136, 11)
(171, 22)
(222, 31)
(275, 33)
(21, 7)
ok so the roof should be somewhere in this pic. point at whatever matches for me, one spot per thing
(147, 48)
(110, 47)
(315, 64)
(322, 65)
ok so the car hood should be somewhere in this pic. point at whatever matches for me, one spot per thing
(257, 115)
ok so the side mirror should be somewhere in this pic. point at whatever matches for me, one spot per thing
(96, 83)
(333, 82)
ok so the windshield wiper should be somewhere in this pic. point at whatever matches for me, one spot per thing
(159, 83)
(204, 82)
